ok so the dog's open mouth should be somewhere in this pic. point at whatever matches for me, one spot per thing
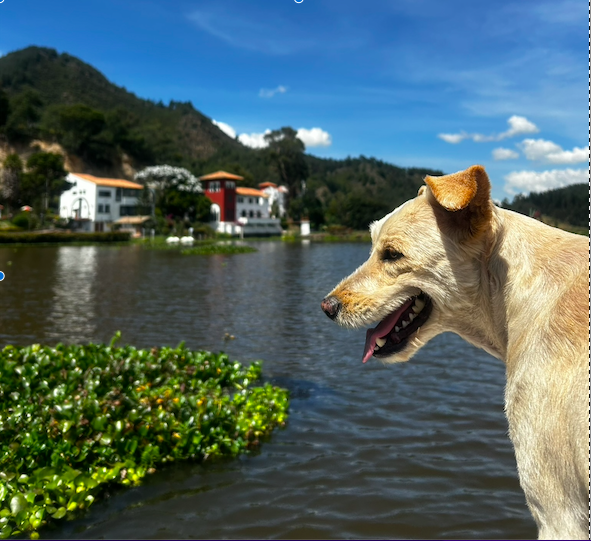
(392, 334)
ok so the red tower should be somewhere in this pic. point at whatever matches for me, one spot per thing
(220, 187)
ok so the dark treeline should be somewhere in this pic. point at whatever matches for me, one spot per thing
(569, 205)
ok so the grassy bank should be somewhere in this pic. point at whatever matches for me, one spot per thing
(200, 247)
(62, 238)
(75, 419)
(355, 236)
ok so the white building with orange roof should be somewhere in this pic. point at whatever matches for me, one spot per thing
(254, 213)
(97, 204)
(276, 198)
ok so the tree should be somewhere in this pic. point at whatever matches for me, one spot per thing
(10, 189)
(23, 118)
(286, 153)
(122, 130)
(4, 107)
(45, 179)
(174, 191)
(81, 130)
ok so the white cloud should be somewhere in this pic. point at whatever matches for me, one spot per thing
(550, 152)
(269, 93)
(226, 128)
(254, 140)
(316, 137)
(518, 125)
(504, 154)
(539, 181)
(453, 138)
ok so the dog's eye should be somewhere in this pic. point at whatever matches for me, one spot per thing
(389, 254)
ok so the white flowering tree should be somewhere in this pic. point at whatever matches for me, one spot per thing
(166, 177)
(174, 192)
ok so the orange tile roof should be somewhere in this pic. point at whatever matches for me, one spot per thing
(251, 192)
(112, 182)
(221, 175)
(264, 185)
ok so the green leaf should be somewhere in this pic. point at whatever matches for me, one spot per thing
(60, 513)
(17, 504)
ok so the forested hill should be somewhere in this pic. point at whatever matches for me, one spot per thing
(569, 205)
(58, 97)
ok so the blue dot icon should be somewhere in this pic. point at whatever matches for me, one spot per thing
(2, 276)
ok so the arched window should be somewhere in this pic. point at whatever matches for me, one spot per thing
(258, 213)
(243, 214)
(215, 213)
(251, 213)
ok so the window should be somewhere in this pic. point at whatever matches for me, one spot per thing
(127, 210)
(107, 208)
(118, 194)
(130, 192)
(243, 214)
(240, 199)
(105, 193)
(214, 186)
(258, 213)
(230, 185)
(101, 209)
(250, 200)
(251, 213)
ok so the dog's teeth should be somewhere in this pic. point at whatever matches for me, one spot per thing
(404, 324)
(420, 304)
(396, 329)
(380, 341)
(415, 309)
(411, 317)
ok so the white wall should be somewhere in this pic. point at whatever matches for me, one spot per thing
(250, 203)
(276, 195)
(83, 189)
(91, 193)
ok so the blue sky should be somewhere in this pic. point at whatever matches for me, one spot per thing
(431, 83)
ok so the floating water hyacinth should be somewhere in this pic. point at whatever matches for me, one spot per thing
(75, 418)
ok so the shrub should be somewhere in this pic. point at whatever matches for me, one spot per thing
(32, 238)
(22, 220)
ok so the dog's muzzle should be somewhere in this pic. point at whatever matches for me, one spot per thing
(331, 306)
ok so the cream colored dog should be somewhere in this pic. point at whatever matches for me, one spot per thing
(450, 260)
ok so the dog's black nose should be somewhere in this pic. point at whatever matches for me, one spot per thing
(331, 306)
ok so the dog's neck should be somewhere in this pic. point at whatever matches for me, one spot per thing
(515, 271)
(485, 324)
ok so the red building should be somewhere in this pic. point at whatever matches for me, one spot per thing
(220, 187)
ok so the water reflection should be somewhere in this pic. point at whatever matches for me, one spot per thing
(73, 307)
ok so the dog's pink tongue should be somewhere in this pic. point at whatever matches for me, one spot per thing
(383, 329)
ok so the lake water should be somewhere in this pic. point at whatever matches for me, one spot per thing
(414, 450)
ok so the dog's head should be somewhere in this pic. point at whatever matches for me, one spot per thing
(424, 272)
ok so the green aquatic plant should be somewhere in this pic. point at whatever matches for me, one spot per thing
(75, 418)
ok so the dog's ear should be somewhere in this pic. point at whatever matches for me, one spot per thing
(466, 194)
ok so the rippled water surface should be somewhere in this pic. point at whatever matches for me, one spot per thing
(415, 450)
